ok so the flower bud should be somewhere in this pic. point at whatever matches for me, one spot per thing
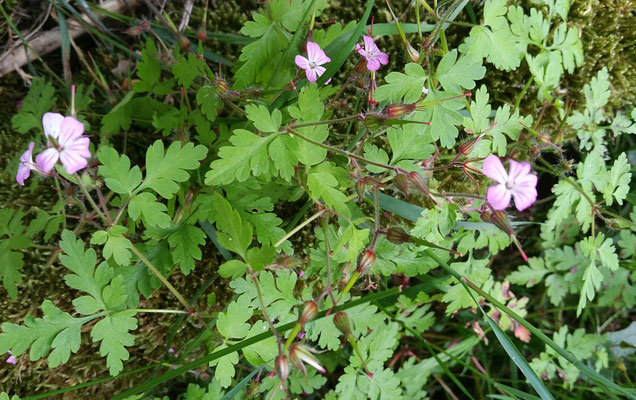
(467, 147)
(543, 139)
(366, 262)
(202, 33)
(373, 120)
(282, 368)
(341, 320)
(221, 84)
(398, 236)
(417, 180)
(401, 181)
(394, 111)
(485, 215)
(414, 55)
(360, 188)
(501, 221)
(361, 66)
(309, 312)
(300, 355)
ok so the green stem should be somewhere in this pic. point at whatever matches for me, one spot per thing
(158, 274)
(156, 310)
(90, 200)
(325, 122)
(340, 151)
(522, 93)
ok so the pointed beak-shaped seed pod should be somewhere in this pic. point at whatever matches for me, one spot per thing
(309, 312)
(398, 236)
(402, 182)
(300, 355)
(394, 111)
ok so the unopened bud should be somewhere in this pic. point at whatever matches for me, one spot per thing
(221, 84)
(361, 66)
(202, 33)
(414, 55)
(184, 43)
(543, 139)
(401, 181)
(373, 120)
(366, 262)
(360, 188)
(360, 83)
(485, 216)
(282, 368)
(341, 320)
(501, 221)
(309, 312)
(468, 146)
(417, 180)
(394, 111)
(398, 236)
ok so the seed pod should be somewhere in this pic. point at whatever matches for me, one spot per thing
(394, 111)
(417, 180)
(414, 55)
(366, 262)
(341, 320)
(501, 221)
(398, 236)
(468, 146)
(309, 312)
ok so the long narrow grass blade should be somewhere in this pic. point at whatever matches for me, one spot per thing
(236, 389)
(65, 45)
(612, 387)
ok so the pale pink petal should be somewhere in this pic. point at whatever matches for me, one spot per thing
(11, 360)
(311, 75)
(52, 123)
(517, 171)
(360, 50)
(494, 169)
(369, 44)
(79, 146)
(328, 80)
(25, 166)
(313, 51)
(320, 70)
(70, 130)
(302, 62)
(499, 197)
(321, 58)
(383, 58)
(72, 162)
(524, 199)
(373, 64)
(47, 159)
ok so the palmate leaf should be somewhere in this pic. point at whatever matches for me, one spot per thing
(234, 233)
(152, 213)
(116, 245)
(163, 171)
(12, 261)
(38, 101)
(403, 87)
(443, 116)
(454, 74)
(56, 334)
(618, 180)
(185, 242)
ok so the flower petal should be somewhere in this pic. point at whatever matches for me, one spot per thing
(360, 50)
(72, 161)
(315, 54)
(383, 58)
(320, 70)
(525, 198)
(70, 130)
(518, 171)
(46, 160)
(311, 75)
(494, 169)
(373, 64)
(302, 62)
(52, 122)
(499, 197)
(369, 44)
(24, 171)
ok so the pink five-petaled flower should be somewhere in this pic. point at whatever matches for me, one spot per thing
(314, 61)
(518, 183)
(66, 143)
(26, 165)
(372, 53)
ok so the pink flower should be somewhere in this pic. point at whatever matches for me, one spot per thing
(66, 143)
(312, 64)
(11, 359)
(26, 165)
(372, 53)
(518, 183)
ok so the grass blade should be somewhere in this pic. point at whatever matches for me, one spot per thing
(236, 389)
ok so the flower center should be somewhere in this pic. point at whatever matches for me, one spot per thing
(312, 64)
(510, 184)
